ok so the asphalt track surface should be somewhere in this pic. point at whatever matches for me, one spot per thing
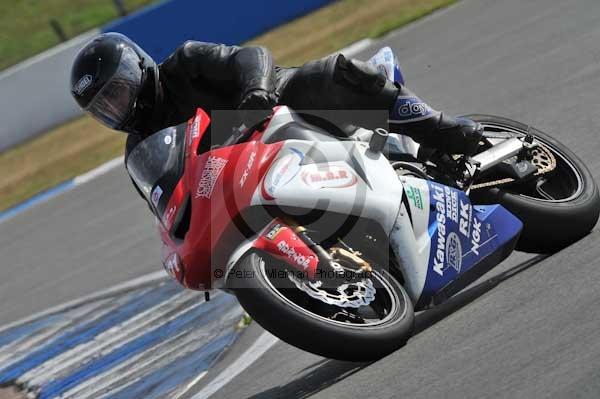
(529, 332)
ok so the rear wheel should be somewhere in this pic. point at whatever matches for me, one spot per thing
(359, 321)
(558, 206)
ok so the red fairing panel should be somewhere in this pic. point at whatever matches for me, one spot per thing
(177, 199)
(220, 184)
(196, 128)
(281, 242)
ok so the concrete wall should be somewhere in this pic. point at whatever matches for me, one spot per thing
(34, 95)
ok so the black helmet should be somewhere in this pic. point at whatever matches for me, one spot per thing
(114, 80)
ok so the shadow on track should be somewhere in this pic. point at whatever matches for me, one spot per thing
(327, 372)
(313, 379)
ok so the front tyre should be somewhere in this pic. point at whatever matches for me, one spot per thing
(302, 316)
(557, 208)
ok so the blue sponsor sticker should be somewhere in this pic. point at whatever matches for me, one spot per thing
(462, 235)
(409, 109)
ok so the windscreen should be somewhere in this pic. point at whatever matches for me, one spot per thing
(156, 165)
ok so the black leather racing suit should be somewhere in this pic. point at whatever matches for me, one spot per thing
(218, 77)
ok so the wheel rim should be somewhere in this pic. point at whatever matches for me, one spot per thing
(381, 310)
(563, 184)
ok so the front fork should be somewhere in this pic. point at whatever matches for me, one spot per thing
(290, 242)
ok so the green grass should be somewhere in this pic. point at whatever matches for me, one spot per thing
(25, 24)
(83, 144)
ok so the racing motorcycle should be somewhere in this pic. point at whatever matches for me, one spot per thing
(332, 243)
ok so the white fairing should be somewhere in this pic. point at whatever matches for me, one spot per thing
(411, 242)
(311, 175)
(364, 185)
(347, 178)
(396, 143)
(281, 117)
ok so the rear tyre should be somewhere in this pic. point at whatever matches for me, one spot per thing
(556, 209)
(299, 319)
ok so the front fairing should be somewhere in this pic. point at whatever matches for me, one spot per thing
(221, 183)
(156, 166)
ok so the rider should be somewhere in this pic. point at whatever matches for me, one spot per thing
(121, 86)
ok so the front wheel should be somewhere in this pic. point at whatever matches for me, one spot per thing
(557, 207)
(359, 321)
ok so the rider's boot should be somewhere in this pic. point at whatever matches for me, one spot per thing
(408, 114)
(415, 118)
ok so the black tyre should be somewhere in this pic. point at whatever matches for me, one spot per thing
(281, 307)
(557, 208)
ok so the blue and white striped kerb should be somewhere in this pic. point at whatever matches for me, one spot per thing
(146, 342)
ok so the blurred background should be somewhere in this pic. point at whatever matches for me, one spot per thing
(30, 26)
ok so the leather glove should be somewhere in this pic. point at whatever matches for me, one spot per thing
(458, 135)
(256, 105)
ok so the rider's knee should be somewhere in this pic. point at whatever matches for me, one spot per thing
(362, 77)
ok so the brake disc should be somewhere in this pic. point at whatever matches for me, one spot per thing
(543, 159)
(348, 295)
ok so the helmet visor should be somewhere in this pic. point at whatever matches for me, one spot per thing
(115, 102)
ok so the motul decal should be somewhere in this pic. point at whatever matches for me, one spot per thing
(281, 242)
(296, 257)
(330, 176)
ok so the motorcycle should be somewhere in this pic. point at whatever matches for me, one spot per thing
(332, 244)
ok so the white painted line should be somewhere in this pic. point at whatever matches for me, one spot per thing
(128, 372)
(109, 339)
(189, 386)
(99, 171)
(144, 363)
(357, 47)
(126, 286)
(60, 189)
(258, 348)
(20, 348)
